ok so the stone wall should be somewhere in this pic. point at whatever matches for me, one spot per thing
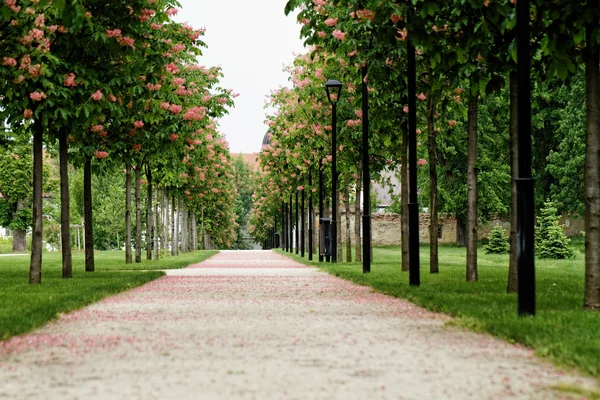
(386, 228)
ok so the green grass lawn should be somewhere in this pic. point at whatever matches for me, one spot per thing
(24, 307)
(561, 330)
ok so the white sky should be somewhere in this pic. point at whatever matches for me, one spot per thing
(251, 41)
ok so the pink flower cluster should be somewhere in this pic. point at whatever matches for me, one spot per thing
(195, 114)
(138, 124)
(153, 87)
(421, 162)
(100, 154)
(37, 96)
(97, 96)
(70, 80)
(9, 61)
(339, 35)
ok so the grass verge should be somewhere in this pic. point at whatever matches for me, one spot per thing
(24, 307)
(561, 330)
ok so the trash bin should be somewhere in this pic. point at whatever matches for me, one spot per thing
(325, 237)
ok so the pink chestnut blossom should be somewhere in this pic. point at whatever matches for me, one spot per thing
(37, 96)
(452, 122)
(27, 113)
(100, 154)
(339, 35)
(97, 96)
(138, 124)
(421, 96)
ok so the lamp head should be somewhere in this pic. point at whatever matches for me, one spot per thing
(334, 90)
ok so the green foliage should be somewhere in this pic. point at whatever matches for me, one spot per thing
(551, 242)
(497, 242)
(561, 329)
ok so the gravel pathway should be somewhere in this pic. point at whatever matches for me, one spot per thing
(256, 325)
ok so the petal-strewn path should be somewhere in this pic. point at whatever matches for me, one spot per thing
(255, 325)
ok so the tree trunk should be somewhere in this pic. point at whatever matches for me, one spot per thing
(65, 218)
(184, 226)
(175, 215)
(348, 234)
(194, 232)
(166, 225)
(35, 266)
(156, 231)
(511, 286)
(358, 216)
(472, 192)
(404, 187)
(138, 214)
(19, 235)
(19, 240)
(88, 217)
(433, 191)
(592, 168)
(461, 231)
(128, 255)
(149, 216)
(338, 221)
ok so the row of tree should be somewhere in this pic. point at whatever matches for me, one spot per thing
(465, 57)
(116, 87)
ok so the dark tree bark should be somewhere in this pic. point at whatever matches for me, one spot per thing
(128, 255)
(338, 216)
(149, 216)
(164, 245)
(472, 192)
(65, 218)
(461, 231)
(511, 286)
(35, 266)
(592, 167)
(88, 217)
(404, 196)
(19, 235)
(138, 214)
(175, 217)
(358, 215)
(433, 192)
(184, 226)
(348, 232)
(156, 219)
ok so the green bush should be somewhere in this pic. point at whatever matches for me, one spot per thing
(5, 245)
(551, 242)
(497, 242)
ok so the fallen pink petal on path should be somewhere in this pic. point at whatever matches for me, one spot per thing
(257, 325)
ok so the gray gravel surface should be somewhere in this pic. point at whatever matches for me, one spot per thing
(256, 325)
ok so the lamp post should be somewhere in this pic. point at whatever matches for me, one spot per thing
(310, 218)
(525, 248)
(291, 230)
(297, 225)
(366, 219)
(321, 207)
(333, 89)
(302, 225)
(413, 205)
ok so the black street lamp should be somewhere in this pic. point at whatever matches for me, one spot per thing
(321, 210)
(297, 225)
(413, 205)
(366, 219)
(334, 90)
(302, 225)
(525, 248)
(310, 218)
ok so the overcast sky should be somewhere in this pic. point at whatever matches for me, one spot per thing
(251, 41)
